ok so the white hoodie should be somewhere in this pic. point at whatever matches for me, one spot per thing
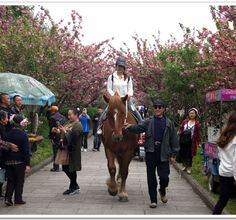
(227, 157)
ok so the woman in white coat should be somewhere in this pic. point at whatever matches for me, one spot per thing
(227, 169)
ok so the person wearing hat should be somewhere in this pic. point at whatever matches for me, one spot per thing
(121, 83)
(55, 119)
(161, 146)
(190, 138)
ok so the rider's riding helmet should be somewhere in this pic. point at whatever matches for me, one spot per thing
(121, 62)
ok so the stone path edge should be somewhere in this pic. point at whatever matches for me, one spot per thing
(40, 165)
(203, 193)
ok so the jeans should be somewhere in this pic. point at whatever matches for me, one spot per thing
(55, 149)
(131, 108)
(96, 141)
(2, 175)
(15, 181)
(154, 163)
(226, 190)
(71, 175)
(85, 140)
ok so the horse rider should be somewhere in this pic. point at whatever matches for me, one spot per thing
(161, 146)
(121, 83)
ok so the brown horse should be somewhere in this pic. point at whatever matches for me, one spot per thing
(119, 143)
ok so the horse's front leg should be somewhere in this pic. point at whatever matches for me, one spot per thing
(118, 178)
(111, 182)
(124, 168)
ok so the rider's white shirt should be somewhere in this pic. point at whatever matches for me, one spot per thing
(227, 157)
(121, 86)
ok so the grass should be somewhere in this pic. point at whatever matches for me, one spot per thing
(196, 172)
(44, 149)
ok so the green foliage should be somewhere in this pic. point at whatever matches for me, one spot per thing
(92, 111)
(172, 78)
(17, 10)
(43, 129)
(64, 111)
(1, 66)
(152, 94)
(44, 149)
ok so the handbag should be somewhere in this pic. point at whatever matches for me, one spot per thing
(62, 157)
(185, 137)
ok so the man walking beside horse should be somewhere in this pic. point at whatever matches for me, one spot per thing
(161, 146)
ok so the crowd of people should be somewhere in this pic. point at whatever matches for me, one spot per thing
(69, 136)
(14, 149)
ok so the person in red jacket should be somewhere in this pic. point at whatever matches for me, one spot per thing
(188, 151)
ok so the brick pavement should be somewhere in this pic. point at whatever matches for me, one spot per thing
(43, 192)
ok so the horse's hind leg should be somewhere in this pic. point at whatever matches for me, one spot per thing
(111, 182)
(124, 167)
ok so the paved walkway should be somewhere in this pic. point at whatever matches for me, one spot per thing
(43, 192)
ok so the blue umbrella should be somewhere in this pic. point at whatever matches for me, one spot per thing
(31, 91)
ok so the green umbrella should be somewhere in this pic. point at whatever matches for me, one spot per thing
(31, 91)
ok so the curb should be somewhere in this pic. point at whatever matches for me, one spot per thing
(37, 167)
(197, 188)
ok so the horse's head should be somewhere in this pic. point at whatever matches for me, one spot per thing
(116, 115)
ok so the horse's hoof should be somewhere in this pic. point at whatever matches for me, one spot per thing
(123, 199)
(113, 193)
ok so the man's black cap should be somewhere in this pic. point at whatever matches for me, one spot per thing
(158, 102)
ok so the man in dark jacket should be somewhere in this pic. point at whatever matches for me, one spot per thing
(161, 146)
(97, 141)
(17, 105)
(55, 119)
(5, 106)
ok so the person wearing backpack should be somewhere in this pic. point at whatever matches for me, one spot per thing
(189, 133)
(121, 83)
(55, 119)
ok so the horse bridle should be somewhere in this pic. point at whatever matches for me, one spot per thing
(126, 115)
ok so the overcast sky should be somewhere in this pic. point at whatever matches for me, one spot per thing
(103, 21)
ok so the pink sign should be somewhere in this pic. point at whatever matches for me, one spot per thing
(223, 94)
(211, 150)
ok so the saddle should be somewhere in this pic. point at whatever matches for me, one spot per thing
(132, 113)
